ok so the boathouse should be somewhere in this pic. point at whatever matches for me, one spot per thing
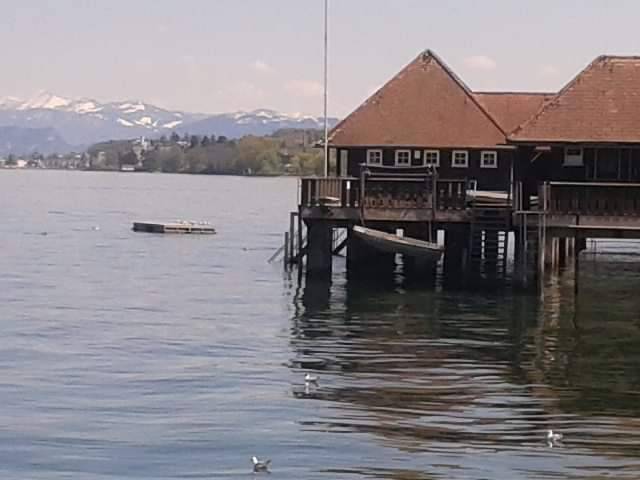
(577, 172)
(425, 154)
(426, 116)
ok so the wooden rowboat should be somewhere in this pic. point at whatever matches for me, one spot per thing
(388, 242)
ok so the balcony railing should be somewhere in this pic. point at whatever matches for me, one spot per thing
(451, 194)
(383, 192)
(333, 191)
(590, 198)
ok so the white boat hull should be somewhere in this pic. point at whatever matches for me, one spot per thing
(390, 243)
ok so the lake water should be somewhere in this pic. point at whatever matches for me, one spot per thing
(137, 356)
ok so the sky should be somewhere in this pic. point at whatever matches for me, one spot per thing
(226, 55)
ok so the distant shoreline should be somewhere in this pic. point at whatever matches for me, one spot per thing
(84, 170)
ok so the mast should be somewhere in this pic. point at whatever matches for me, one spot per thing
(326, 126)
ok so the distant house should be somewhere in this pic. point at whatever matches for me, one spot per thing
(426, 116)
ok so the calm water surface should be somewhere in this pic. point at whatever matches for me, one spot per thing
(136, 356)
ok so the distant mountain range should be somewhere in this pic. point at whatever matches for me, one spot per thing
(49, 123)
(28, 140)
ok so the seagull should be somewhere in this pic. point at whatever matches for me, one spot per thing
(553, 438)
(260, 465)
(308, 378)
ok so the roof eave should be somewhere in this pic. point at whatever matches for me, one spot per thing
(571, 141)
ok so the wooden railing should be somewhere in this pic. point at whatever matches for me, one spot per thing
(383, 192)
(331, 191)
(451, 194)
(590, 198)
(392, 193)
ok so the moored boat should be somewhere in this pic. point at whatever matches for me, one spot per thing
(388, 242)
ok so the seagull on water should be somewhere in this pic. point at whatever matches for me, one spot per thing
(553, 438)
(308, 378)
(260, 465)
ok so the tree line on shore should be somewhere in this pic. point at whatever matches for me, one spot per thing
(287, 151)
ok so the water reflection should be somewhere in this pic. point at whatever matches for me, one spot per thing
(438, 378)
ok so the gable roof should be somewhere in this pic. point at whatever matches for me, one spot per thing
(511, 109)
(425, 104)
(601, 104)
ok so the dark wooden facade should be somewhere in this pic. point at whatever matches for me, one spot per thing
(482, 178)
(600, 163)
(534, 166)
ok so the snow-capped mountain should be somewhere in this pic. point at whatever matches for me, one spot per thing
(84, 121)
(255, 122)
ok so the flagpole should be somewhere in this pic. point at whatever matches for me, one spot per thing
(326, 126)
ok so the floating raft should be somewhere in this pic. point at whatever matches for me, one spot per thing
(201, 228)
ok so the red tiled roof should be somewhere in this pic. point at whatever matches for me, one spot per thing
(601, 104)
(423, 105)
(511, 109)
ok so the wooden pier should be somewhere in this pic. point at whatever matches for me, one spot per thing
(413, 201)
(184, 227)
(410, 158)
(476, 230)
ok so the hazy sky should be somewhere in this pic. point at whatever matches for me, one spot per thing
(225, 55)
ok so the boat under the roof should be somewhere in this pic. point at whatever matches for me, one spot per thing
(390, 243)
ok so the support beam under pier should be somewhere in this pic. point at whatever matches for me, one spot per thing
(319, 243)
(456, 243)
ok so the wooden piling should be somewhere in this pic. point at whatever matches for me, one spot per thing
(287, 258)
(562, 252)
(576, 266)
(455, 253)
(319, 243)
(292, 237)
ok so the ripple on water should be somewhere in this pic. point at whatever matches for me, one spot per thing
(131, 356)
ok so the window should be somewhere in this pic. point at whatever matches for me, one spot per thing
(489, 160)
(573, 157)
(460, 159)
(344, 162)
(431, 158)
(403, 158)
(333, 154)
(374, 157)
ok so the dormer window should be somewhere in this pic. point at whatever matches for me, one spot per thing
(573, 157)
(403, 158)
(374, 157)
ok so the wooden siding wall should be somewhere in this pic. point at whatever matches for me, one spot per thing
(494, 179)
(611, 165)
